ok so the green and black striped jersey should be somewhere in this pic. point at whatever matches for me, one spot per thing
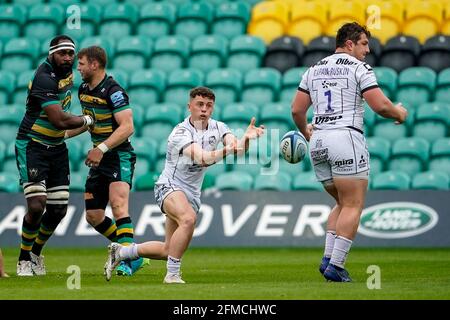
(46, 88)
(102, 102)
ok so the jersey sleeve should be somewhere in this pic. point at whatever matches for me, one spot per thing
(303, 86)
(223, 130)
(44, 89)
(366, 77)
(180, 139)
(118, 99)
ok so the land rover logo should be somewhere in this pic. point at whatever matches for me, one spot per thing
(394, 220)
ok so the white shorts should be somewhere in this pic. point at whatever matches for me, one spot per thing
(163, 190)
(339, 153)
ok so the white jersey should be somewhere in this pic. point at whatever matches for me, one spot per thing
(335, 85)
(180, 169)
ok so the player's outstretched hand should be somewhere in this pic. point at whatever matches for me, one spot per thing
(403, 113)
(253, 131)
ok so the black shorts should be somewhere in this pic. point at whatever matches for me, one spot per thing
(37, 162)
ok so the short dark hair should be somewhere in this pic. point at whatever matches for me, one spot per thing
(94, 53)
(57, 39)
(203, 92)
(350, 31)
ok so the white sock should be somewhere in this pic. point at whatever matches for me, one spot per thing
(329, 243)
(129, 252)
(340, 251)
(173, 265)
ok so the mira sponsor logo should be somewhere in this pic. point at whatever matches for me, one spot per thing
(394, 220)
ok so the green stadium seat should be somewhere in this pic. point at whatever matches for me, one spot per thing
(251, 164)
(235, 180)
(279, 182)
(386, 128)
(289, 83)
(106, 43)
(387, 80)
(21, 91)
(208, 52)
(10, 118)
(276, 117)
(170, 53)
(146, 182)
(132, 53)
(77, 182)
(156, 19)
(19, 54)
(44, 21)
(231, 19)
(209, 181)
(246, 53)
(66, 3)
(138, 117)
(193, 19)
(9, 182)
(120, 76)
(416, 86)
(145, 148)
(440, 156)
(162, 150)
(179, 83)
(391, 180)
(160, 164)
(226, 83)
(2, 154)
(218, 168)
(139, 2)
(90, 15)
(102, 3)
(370, 118)
(160, 119)
(434, 180)
(292, 169)
(442, 93)
(7, 85)
(379, 149)
(12, 18)
(237, 116)
(118, 20)
(306, 181)
(76, 156)
(409, 155)
(261, 86)
(9, 162)
(146, 86)
(432, 121)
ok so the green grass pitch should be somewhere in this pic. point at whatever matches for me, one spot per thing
(238, 273)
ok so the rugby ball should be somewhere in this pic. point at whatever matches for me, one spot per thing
(293, 147)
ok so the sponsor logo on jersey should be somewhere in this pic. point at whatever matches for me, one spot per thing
(319, 120)
(345, 61)
(345, 162)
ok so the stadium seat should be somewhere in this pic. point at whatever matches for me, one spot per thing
(146, 182)
(435, 53)
(156, 19)
(10, 163)
(120, 76)
(231, 19)
(7, 85)
(416, 86)
(216, 169)
(193, 19)
(269, 20)
(20, 93)
(379, 149)
(251, 164)
(145, 148)
(89, 19)
(261, 86)
(138, 117)
(387, 18)
(317, 49)
(422, 19)
(2, 154)
(170, 53)
(442, 92)
(77, 182)
(19, 54)
(118, 20)
(75, 154)
(235, 180)
(306, 181)
(226, 83)
(10, 118)
(387, 80)
(292, 169)
(370, 117)
(237, 116)
(208, 52)
(289, 83)
(308, 19)
(12, 18)
(44, 21)
(277, 182)
(245, 53)
(409, 155)
(434, 180)
(375, 52)
(277, 118)
(391, 180)
(102, 3)
(284, 53)
(386, 128)
(432, 121)
(146, 86)
(341, 12)
(400, 52)
(132, 53)
(106, 43)
(440, 156)
(9, 182)
(160, 119)
(179, 83)
(209, 181)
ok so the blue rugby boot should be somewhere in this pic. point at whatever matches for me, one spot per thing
(336, 274)
(324, 264)
(139, 263)
(124, 268)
